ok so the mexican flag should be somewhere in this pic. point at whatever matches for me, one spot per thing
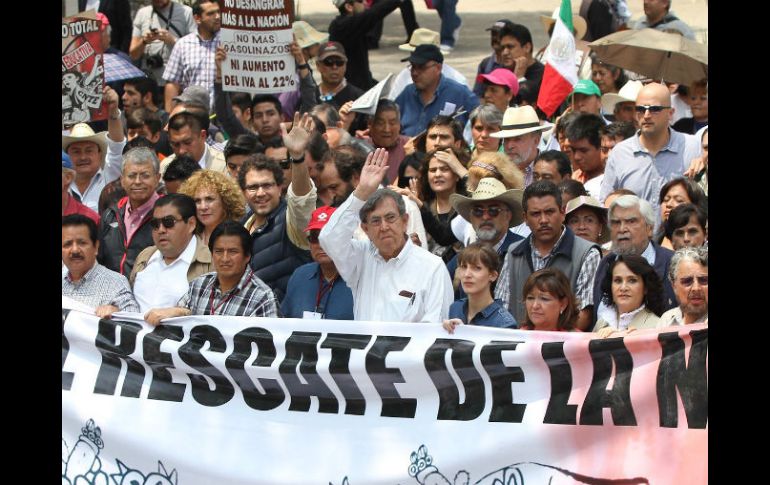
(560, 70)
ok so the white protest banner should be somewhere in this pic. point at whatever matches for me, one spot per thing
(82, 70)
(367, 102)
(256, 35)
(233, 400)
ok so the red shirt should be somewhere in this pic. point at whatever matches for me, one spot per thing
(75, 207)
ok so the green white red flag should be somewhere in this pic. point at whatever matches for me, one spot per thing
(560, 74)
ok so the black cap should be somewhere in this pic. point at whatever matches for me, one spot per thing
(424, 53)
(499, 25)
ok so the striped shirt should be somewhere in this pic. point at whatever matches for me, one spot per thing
(251, 297)
(100, 286)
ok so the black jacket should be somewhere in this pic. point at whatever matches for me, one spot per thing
(115, 252)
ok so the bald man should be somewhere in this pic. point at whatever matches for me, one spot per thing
(654, 155)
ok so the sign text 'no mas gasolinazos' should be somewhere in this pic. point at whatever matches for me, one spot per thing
(256, 35)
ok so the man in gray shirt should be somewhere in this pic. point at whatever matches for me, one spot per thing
(657, 15)
(652, 157)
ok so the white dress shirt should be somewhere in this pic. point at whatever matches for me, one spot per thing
(161, 285)
(411, 287)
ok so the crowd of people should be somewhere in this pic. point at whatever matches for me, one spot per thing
(456, 202)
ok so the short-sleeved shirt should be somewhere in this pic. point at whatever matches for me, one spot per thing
(494, 315)
(192, 63)
(100, 286)
(180, 16)
(307, 291)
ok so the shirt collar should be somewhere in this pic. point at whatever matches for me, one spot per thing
(400, 257)
(68, 275)
(202, 161)
(245, 279)
(672, 145)
(649, 254)
(143, 209)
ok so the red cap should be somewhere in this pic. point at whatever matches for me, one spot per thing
(320, 217)
(105, 21)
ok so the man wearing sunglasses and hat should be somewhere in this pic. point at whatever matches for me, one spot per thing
(316, 290)
(163, 271)
(652, 157)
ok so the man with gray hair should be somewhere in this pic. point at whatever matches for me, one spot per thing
(391, 278)
(689, 275)
(125, 230)
(632, 220)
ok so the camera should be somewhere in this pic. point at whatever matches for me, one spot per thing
(154, 61)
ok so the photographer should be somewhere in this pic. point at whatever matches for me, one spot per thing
(157, 27)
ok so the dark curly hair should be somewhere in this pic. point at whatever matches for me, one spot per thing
(653, 286)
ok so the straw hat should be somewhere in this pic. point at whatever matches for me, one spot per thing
(83, 132)
(490, 189)
(422, 36)
(577, 21)
(588, 201)
(519, 121)
(627, 93)
(306, 35)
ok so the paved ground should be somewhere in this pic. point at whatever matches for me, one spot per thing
(477, 15)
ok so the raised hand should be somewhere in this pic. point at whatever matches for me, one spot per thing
(448, 157)
(372, 173)
(299, 136)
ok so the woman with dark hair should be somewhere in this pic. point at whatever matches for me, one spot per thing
(609, 78)
(409, 169)
(587, 218)
(550, 302)
(633, 293)
(478, 265)
(676, 192)
(687, 226)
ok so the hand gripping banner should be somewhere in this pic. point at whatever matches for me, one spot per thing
(226, 400)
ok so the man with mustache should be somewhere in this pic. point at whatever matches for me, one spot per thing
(86, 280)
(550, 245)
(689, 273)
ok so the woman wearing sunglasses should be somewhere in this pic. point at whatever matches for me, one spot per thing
(217, 198)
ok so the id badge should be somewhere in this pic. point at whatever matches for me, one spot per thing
(312, 315)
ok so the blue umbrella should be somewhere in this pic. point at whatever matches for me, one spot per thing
(117, 68)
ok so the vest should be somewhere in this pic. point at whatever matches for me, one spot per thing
(273, 256)
(568, 257)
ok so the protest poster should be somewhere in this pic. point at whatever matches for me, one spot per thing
(256, 35)
(240, 400)
(82, 70)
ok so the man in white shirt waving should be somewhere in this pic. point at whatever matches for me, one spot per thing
(391, 278)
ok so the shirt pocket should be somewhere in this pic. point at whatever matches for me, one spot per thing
(402, 309)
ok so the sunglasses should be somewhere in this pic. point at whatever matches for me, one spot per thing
(493, 211)
(168, 222)
(687, 281)
(333, 62)
(653, 109)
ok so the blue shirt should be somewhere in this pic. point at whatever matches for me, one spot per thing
(303, 289)
(415, 116)
(495, 315)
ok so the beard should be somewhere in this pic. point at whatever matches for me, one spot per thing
(488, 235)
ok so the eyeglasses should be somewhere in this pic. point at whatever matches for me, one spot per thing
(254, 188)
(493, 211)
(687, 281)
(641, 109)
(168, 222)
(329, 62)
(421, 67)
(377, 221)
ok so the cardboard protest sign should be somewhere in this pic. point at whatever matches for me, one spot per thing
(256, 35)
(82, 69)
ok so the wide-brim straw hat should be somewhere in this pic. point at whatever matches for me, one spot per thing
(307, 35)
(518, 121)
(588, 201)
(423, 36)
(490, 189)
(578, 22)
(627, 93)
(83, 132)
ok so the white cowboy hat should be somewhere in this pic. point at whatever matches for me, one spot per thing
(487, 190)
(83, 132)
(588, 201)
(627, 93)
(518, 121)
(423, 36)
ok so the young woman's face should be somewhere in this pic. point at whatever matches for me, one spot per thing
(627, 289)
(476, 277)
